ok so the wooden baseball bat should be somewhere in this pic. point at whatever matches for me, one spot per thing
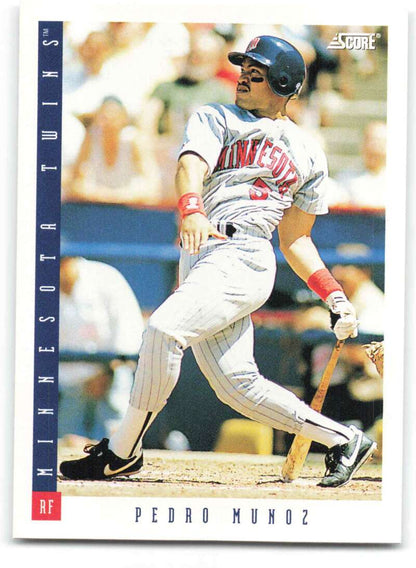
(300, 445)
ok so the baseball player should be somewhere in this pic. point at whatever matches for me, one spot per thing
(243, 170)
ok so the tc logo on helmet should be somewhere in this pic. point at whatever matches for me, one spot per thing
(253, 44)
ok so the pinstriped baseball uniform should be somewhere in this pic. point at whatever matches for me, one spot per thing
(257, 168)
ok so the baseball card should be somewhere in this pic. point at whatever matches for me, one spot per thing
(210, 273)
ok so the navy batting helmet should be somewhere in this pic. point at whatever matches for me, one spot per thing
(285, 65)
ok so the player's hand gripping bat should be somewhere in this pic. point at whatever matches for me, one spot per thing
(300, 445)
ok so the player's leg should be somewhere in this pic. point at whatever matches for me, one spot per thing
(168, 333)
(221, 285)
(211, 296)
(227, 361)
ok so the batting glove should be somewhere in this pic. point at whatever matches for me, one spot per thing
(343, 317)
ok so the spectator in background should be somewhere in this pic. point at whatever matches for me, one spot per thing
(75, 32)
(364, 294)
(92, 54)
(140, 55)
(325, 100)
(172, 102)
(366, 188)
(122, 49)
(116, 162)
(98, 312)
(355, 392)
(325, 61)
(338, 62)
(75, 37)
(82, 80)
(226, 71)
(170, 41)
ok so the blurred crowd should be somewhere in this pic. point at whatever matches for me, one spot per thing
(129, 88)
(98, 312)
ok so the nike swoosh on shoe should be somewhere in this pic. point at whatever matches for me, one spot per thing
(108, 471)
(348, 462)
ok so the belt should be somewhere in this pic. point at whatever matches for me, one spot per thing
(228, 229)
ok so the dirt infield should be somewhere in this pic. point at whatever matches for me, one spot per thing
(209, 474)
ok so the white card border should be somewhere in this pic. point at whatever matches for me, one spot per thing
(394, 247)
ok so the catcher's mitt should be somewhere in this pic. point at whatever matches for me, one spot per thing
(375, 352)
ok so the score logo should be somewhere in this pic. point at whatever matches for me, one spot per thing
(46, 506)
(354, 40)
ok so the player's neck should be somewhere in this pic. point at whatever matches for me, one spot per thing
(272, 115)
(274, 112)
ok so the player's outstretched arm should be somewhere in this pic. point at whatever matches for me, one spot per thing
(296, 243)
(303, 257)
(195, 228)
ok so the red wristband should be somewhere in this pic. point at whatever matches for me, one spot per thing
(323, 283)
(190, 203)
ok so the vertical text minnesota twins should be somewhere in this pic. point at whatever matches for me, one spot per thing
(236, 516)
(48, 203)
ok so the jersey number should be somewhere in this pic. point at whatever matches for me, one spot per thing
(259, 190)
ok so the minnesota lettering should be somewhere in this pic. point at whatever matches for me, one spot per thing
(262, 153)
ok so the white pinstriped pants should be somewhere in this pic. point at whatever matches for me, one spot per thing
(210, 311)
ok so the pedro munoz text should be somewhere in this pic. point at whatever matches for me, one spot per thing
(236, 516)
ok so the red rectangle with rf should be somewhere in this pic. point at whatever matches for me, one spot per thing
(46, 506)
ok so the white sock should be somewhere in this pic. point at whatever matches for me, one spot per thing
(325, 431)
(127, 440)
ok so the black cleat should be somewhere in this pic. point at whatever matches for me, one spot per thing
(101, 463)
(342, 461)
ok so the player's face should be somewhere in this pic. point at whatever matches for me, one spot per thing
(253, 91)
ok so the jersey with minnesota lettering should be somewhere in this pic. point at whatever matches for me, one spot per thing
(257, 167)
